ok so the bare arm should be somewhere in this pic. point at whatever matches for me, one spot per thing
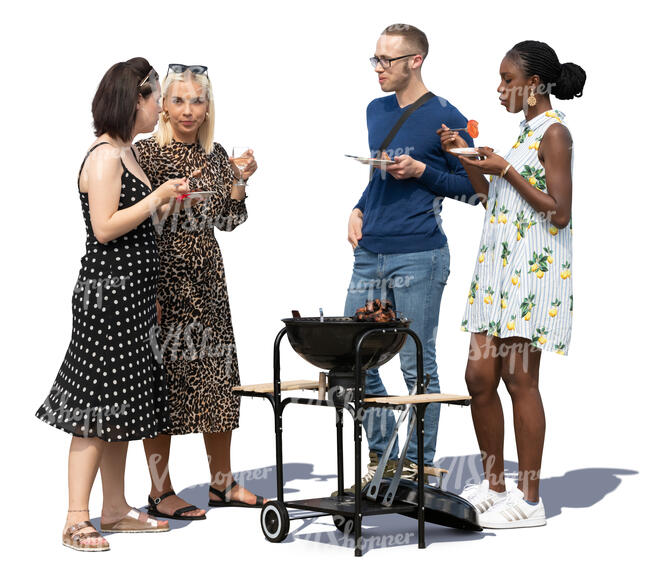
(101, 178)
(555, 153)
(556, 158)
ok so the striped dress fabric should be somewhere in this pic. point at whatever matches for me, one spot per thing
(522, 284)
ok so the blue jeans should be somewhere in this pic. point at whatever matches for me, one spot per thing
(414, 283)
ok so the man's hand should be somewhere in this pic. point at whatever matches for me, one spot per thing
(354, 227)
(405, 167)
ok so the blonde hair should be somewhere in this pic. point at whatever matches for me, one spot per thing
(164, 134)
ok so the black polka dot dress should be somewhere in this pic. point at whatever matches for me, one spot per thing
(112, 384)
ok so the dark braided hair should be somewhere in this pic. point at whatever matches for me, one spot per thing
(563, 80)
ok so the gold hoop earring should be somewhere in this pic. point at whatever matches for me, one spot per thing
(532, 101)
(165, 116)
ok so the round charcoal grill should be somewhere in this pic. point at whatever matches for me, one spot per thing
(329, 342)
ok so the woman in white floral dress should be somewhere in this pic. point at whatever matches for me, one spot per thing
(522, 280)
(520, 300)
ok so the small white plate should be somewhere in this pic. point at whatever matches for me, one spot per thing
(197, 193)
(465, 151)
(371, 161)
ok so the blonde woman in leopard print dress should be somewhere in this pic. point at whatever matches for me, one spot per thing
(195, 338)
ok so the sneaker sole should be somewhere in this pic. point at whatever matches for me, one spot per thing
(527, 523)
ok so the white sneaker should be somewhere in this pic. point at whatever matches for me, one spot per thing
(481, 496)
(513, 512)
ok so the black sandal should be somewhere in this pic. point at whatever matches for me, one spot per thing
(177, 515)
(259, 501)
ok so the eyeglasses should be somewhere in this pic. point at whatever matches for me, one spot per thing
(385, 63)
(147, 76)
(194, 69)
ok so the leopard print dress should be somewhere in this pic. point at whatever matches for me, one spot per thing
(195, 338)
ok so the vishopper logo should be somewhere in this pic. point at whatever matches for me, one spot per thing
(391, 154)
(525, 92)
(529, 221)
(339, 396)
(82, 419)
(187, 220)
(160, 477)
(510, 352)
(467, 471)
(99, 286)
(366, 543)
(190, 342)
(367, 287)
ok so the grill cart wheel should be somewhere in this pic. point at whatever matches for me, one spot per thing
(275, 521)
(343, 524)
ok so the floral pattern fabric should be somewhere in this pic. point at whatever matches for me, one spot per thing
(522, 283)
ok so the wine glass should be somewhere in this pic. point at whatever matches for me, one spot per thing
(240, 162)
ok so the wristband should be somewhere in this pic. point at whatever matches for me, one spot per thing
(505, 170)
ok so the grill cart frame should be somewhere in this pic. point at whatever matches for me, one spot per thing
(347, 512)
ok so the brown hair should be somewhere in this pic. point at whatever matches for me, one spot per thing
(412, 35)
(115, 104)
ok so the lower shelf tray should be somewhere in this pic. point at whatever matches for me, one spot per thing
(346, 507)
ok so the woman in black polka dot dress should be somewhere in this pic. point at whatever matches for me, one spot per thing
(110, 388)
(110, 385)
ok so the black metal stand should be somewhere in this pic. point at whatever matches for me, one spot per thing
(354, 509)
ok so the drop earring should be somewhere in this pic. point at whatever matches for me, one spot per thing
(532, 101)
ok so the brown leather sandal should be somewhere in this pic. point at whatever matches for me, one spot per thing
(75, 540)
(135, 522)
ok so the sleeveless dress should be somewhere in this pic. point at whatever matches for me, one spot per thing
(522, 283)
(110, 384)
(196, 334)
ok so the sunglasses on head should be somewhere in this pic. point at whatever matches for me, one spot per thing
(152, 72)
(194, 69)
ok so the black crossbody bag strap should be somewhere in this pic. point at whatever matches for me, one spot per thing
(417, 104)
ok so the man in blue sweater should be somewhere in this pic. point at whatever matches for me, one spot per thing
(400, 249)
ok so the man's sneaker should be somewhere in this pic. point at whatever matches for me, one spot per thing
(514, 512)
(372, 469)
(481, 496)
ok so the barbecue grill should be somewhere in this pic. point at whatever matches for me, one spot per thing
(346, 349)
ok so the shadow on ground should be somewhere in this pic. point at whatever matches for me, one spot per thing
(580, 488)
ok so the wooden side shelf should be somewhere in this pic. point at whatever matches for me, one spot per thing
(417, 399)
(267, 388)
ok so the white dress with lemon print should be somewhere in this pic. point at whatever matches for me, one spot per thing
(522, 283)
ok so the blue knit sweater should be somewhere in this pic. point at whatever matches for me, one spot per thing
(404, 215)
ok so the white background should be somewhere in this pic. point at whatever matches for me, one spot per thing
(292, 80)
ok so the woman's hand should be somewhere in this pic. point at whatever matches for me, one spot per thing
(172, 189)
(450, 139)
(492, 164)
(251, 166)
(355, 224)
